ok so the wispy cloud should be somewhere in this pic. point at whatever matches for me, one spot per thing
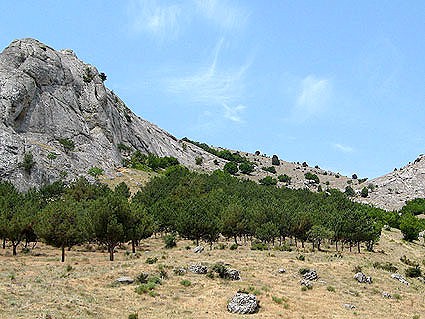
(343, 148)
(313, 97)
(164, 21)
(213, 87)
(234, 113)
(161, 21)
(223, 14)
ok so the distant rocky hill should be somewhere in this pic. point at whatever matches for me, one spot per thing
(392, 190)
(57, 108)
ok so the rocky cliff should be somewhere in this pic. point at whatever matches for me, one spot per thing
(392, 190)
(57, 108)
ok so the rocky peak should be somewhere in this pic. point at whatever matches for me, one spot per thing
(48, 96)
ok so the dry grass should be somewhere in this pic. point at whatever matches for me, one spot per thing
(37, 285)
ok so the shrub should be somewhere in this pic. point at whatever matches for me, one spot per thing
(170, 241)
(301, 257)
(258, 245)
(387, 266)
(142, 278)
(275, 160)
(312, 177)
(284, 178)
(185, 282)
(278, 300)
(145, 288)
(233, 247)
(198, 160)
(103, 76)
(413, 272)
(354, 176)
(151, 260)
(364, 192)
(52, 156)
(269, 169)
(330, 288)
(123, 148)
(349, 191)
(410, 227)
(246, 167)
(28, 162)
(95, 171)
(88, 75)
(268, 181)
(133, 316)
(303, 271)
(357, 269)
(67, 144)
(305, 164)
(231, 168)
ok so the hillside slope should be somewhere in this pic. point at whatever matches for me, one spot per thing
(392, 190)
(51, 100)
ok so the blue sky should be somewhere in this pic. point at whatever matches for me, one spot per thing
(339, 84)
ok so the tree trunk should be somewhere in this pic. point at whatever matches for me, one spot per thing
(351, 245)
(336, 245)
(133, 246)
(4, 243)
(318, 245)
(63, 253)
(236, 239)
(111, 253)
(302, 243)
(197, 242)
(14, 245)
(358, 247)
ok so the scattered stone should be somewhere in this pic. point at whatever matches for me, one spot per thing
(243, 303)
(233, 274)
(400, 278)
(362, 278)
(386, 295)
(198, 249)
(307, 283)
(281, 270)
(198, 269)
(311, 275)
(125, 280)
(180, 271)
(349, 306)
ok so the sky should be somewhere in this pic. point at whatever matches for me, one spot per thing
(339, 84)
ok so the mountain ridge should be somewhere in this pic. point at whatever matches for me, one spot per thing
(49, 98)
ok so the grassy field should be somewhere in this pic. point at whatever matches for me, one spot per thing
(38, 285)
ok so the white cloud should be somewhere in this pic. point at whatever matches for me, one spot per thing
(213, 87)
(223, 14)
(313, 97)
(343, 148)
(167, 21)
(233, 113)
(161, 21)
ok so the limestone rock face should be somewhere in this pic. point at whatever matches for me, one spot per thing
(392, 190)
(48, 95)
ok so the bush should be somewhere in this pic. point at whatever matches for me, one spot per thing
(268, 181)
(133, 316)
(28, 162)
(233, 247)
(170, 241)
(301, 257)
(284, 178)
(387, 266)
(275, 160)
(269, 169)
(67, 144)
(198, 160)
(95, 171)
(413, 272)
(349, 191)
(151, 260)
(258, 245)
(246, 167)
(408, 262)
(312, 177)
(185, 282)
(410, 227)
(330, 288)
(303, 271)
(231, 168)
(365, 192)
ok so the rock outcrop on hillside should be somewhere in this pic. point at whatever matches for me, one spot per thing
(392, 190)
(48, 96)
